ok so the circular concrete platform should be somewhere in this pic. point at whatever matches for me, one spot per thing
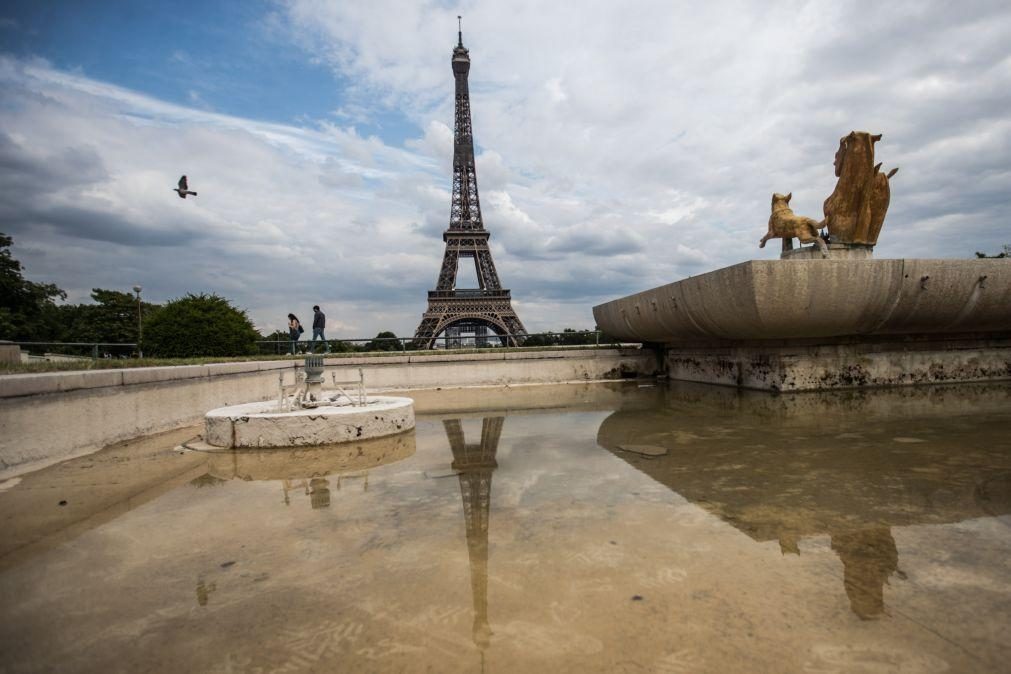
(260, 425)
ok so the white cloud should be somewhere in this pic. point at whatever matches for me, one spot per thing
(609, 108)
(620, 147)
(285, 217)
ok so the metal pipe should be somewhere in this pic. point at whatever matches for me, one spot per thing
(140, 323)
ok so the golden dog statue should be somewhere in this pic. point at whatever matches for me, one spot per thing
(784, 224)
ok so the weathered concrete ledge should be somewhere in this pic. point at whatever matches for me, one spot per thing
(794, 325)
(791, 299)
(52, 416)
(15, 385)
(809, 366)
(9, 352)
(261, 424)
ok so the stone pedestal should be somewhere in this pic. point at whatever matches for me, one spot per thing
(806, 324)
(836, 251)
(314, 377)
(261, 425)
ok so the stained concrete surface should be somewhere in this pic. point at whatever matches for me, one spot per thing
(794, 299)
(824, 532)
(50, 417)
(262, 424)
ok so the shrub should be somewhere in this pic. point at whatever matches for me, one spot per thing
(199, 325)
(384, 341)
(337, 346)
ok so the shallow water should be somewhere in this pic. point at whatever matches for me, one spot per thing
(511, 532)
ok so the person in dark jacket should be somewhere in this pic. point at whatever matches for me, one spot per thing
(318, 325)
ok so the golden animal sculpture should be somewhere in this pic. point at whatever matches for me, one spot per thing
(855, 211)
(784, 224)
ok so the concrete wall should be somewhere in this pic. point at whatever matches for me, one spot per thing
(10, 353)
(799, 325)
(847, 364)
(792, 299)
(49, 417)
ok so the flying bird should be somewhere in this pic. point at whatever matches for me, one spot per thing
(184, 188)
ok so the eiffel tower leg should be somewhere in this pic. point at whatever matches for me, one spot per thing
(447, 275)
(491, 430)
(486, 273)
(424, 336)
(454, 433)
(515, 328)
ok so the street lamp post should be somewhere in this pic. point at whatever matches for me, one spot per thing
(140, 325)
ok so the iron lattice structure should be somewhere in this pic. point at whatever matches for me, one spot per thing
(489, 306)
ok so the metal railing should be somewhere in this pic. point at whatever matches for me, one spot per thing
(468, 294)
(587, 338)
(94, 350)
(98, 350)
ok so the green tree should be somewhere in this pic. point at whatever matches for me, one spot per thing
(25, 306)
(1005, 253)
(384, 341)
(570, 337)
(199, 325)
(277, 342)
(276, 336)
(539, 340)
(337, 346)
(111, 319)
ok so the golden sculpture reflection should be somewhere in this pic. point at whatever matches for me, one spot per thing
(869, 557)
(851, 466)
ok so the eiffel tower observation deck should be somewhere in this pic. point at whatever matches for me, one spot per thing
(457, 311)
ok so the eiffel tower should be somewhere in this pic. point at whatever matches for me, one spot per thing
(489, 306)
(475, 463)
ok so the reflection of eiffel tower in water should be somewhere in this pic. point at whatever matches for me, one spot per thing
(475, 463)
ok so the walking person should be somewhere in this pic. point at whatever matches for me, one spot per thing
(318, 325)
(294, 330)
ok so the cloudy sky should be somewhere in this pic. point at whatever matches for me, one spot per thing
(620, 145)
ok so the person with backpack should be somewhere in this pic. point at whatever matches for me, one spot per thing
(294, 330)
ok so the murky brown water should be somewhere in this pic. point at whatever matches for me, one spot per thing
(847, 532)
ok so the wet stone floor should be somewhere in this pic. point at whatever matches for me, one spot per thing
(583, 528)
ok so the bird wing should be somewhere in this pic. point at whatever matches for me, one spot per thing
(183, 185)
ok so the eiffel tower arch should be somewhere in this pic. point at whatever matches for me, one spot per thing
(489, 306)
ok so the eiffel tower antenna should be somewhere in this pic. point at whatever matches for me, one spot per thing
(488, 307)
